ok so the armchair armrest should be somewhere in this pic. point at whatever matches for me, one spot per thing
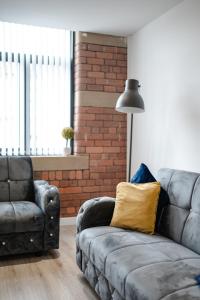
(47, 198)
(95, 212)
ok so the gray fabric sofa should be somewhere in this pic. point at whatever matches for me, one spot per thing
(29, 210)
(123, 264)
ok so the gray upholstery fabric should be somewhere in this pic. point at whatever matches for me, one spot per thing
(95, 212)
(191, 231)
(16, 179)
(4, 188)
(21, 190)
(7, 218)
(96, 279)
(47, 198)
(20, 216)
(20, 168)
(123, 264)
(18, 243)
(29, 211)
(106, 291)
(181, 217)
(3, 168)
(137, 265)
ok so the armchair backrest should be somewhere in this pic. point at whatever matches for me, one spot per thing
(180, 219)
(16, 179)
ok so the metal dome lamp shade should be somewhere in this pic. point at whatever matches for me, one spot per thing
(131, 102)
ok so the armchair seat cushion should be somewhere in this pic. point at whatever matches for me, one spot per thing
(20, 216)
(140, 266)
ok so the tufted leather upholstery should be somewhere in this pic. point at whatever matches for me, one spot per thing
(23, 242)
(98, 281)
(29, 210)
(95, 212)
(180, 220)
(16, 179)
(20, 216)
(123, 264)
(47, 198)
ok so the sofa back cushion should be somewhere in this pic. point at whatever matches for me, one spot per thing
(16, 179)
(180, 219)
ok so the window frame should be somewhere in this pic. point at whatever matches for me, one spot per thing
(26, 84)
(72, 83)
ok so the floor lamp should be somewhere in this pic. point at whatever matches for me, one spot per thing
(130, 102)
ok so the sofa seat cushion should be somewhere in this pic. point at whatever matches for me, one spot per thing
(141, 266)
(20, 216)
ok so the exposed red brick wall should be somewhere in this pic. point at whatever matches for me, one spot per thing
(99, 132)
(104, 140)
(100, 68)
(70, 184)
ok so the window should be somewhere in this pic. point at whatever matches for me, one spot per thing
(34, 89)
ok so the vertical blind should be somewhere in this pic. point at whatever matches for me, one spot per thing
(34, 89)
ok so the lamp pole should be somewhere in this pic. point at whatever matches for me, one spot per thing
(130, 149)
(131, 102)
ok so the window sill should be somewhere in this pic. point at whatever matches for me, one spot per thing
(57, 163)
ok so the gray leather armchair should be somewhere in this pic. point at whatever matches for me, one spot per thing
(29, 210)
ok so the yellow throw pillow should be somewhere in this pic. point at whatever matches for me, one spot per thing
(136, 206)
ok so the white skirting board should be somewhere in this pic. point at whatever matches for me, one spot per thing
(68, 221)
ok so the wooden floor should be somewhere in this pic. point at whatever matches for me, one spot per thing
(51, 277)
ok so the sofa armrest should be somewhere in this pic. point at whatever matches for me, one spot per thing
(47, 198)
(95, 212)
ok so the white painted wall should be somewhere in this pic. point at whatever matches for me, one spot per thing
(165, 57)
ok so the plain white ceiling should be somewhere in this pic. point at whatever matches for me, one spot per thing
(119, 17)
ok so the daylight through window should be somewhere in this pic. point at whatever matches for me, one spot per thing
(34, 89)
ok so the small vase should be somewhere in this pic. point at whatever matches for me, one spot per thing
(67, 149)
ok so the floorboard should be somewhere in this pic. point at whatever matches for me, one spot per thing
(54, 276)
